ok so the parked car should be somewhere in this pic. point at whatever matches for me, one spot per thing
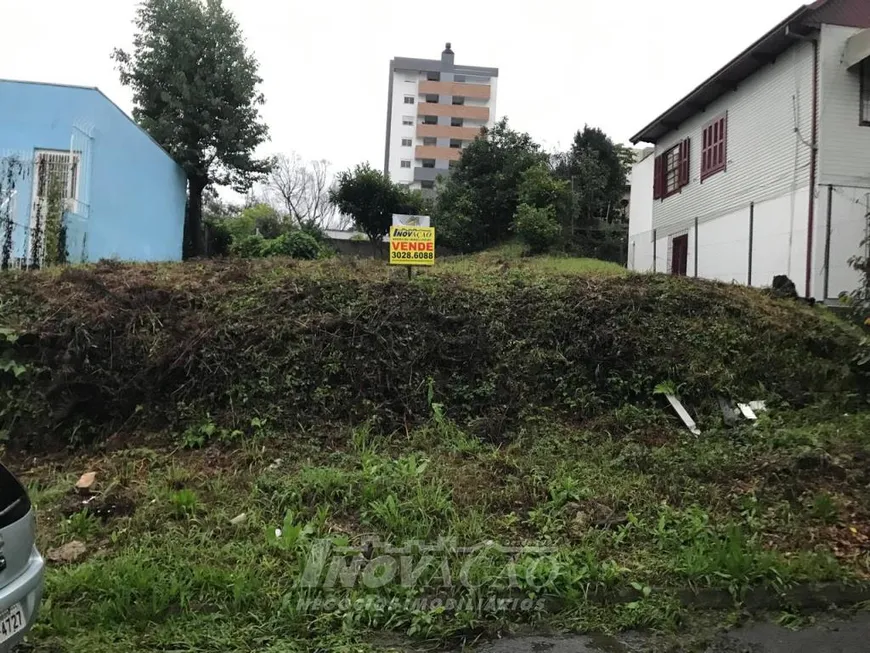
(21, 566)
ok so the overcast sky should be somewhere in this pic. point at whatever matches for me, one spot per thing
(615, 64)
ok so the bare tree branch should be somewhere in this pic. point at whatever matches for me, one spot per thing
(301, 189)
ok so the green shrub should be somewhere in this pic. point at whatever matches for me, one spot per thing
(248, 246)
(296, 244)
(259, 219)
(270, 226)
(218, 237)
(537, 228)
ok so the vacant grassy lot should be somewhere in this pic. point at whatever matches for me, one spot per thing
(327, 457)
(631, 503)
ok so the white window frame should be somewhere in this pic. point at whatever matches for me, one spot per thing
(407, 142)
(408, 121)
(412, 99)
(71, 193)
(406, 163)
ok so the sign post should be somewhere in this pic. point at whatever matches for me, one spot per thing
(412, 241)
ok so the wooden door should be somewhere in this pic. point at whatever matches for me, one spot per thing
(680, 255)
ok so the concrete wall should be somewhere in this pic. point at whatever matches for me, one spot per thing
(137, 193)
(849, 207)
(640, 217)
(723, 243)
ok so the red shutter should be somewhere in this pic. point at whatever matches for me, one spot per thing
(658, 177)
(685, 149)
(714, 153)
(706, 138)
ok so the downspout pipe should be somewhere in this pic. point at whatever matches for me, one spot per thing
(814, 152)
(811, 211)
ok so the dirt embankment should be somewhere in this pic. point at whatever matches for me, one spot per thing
(119, 347)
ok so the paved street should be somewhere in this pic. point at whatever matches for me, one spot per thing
(848, 636)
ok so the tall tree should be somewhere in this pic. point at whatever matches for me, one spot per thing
(477, 204)
(598, 169)
(214, 208)
(371, 199)
(195, 90)
(541, 189)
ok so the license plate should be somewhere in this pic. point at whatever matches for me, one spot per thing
(12, 622)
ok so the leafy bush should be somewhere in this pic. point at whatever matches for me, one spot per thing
(259, 219)
(270, 226)
(537, 228)
(860, 297)
(248, 246)
(218, 238)
(296, 244)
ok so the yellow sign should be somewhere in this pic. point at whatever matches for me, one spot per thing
(412, 246)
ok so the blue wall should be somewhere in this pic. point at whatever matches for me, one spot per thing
(137, 192)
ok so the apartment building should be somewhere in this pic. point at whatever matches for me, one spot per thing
(434, 109)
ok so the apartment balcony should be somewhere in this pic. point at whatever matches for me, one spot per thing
(437, 153)
(476, 91)
(430, 174)
(446, 131)
(454, 111)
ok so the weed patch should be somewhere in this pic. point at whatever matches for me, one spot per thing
(558, 526)
(211, 348)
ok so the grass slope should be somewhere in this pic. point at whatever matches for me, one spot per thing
(115, 347)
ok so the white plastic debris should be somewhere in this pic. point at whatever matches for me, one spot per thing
(684, 414)
(747, 411)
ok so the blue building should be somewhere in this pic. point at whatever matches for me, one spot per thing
(80, 181)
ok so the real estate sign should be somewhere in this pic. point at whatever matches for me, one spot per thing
(412, 245)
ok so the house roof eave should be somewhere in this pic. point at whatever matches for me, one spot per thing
(764, 50)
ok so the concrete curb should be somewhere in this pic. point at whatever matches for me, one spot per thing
(808, 596)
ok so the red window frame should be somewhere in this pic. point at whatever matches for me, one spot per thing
(714, 146)
(671, 170)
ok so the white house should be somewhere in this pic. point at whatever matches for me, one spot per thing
(764, 169)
